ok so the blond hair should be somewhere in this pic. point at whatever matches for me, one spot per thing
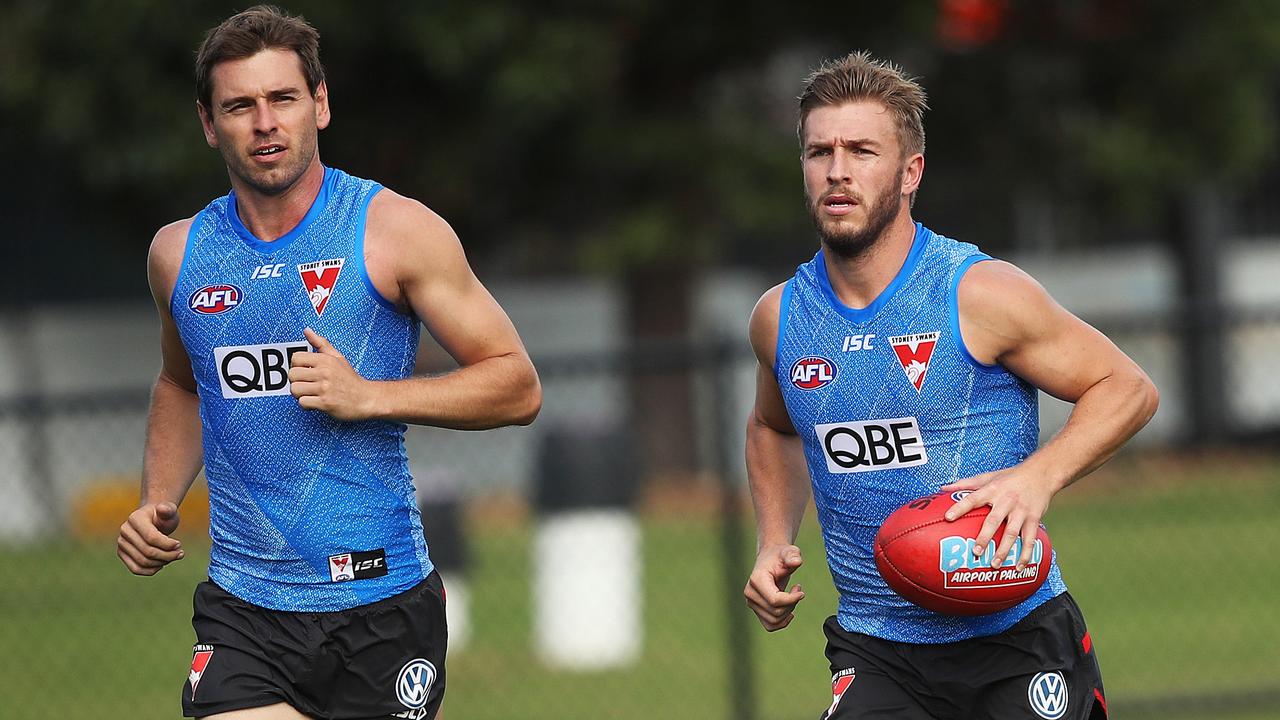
(858, 76)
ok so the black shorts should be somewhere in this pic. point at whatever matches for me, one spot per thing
(381, 660)
(1042, 668)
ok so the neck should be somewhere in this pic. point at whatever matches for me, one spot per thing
(270, 217)
(858, 281)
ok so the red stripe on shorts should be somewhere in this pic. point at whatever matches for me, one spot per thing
(1087, 642)
(1101, 700)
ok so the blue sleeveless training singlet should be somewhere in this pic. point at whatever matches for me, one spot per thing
(307, 513)
(890, 406)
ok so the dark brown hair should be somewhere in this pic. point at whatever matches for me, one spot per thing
(245, 34)
(858, 76)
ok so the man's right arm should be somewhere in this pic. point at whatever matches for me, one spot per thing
(173, 454)
(778, 479)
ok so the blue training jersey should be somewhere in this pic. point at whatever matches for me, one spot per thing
(891, 406)
(307, 513)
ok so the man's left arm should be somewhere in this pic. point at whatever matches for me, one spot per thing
(415, 261)
(1006, 317)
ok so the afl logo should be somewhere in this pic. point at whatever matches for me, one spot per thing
(813, 372)
(215, 299)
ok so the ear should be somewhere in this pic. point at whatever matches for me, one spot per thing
(912, 174)
(206, 124)
(322, 106)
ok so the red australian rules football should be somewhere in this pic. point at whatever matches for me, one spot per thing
(930, 561)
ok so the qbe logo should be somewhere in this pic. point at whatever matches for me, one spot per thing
(215, 299)
(872, 445)
(247, 371)
(813, 372)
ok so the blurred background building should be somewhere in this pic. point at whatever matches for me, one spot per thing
(625, 178)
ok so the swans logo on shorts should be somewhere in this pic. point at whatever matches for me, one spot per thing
(215, 299)
(340, 567)
(358, 565)
(201, 655)
(812, 372)
(1047, 694)
(840, 683)
(413, 685)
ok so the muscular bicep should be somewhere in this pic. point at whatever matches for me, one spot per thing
(1065, 358)
(437, 285)
(1008, 318)
(461, 315)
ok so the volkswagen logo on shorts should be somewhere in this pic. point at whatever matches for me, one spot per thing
(413, 685)
(1047, 694)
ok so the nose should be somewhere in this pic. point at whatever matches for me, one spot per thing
(839, 171)
(264, 118)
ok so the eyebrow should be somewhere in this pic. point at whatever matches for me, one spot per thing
(271, 95)
(856, 142)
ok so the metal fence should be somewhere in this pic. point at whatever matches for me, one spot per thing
(595, 560)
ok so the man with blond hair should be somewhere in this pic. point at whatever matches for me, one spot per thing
(895, 331)
(290, 313)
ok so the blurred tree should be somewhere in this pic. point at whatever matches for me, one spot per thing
(640, 138)
(621, 134)
(1113, 105)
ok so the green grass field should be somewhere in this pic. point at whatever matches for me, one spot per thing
(1178, 581)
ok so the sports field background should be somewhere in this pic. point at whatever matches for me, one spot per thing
(1173, 563)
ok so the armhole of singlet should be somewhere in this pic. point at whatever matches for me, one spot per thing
(196, 224)
(784, 310)
(357, 254)
(954, 307)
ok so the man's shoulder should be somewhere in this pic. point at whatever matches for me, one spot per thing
(171, 240)
(995, 282)
(770, 303)
(397, 218)
(999, 301)
(763, 327)
(164, 259)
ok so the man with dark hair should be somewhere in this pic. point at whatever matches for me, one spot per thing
(891, 323)
(289, 316)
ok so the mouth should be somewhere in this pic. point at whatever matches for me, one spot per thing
(838, 204)
(268, 151)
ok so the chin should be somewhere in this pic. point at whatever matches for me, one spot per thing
(847, 246)
(272, 182)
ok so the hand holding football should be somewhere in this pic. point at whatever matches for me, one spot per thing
(930, 561)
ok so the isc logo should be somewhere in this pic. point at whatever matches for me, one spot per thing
(255, 370)
(263, 272)
(873, 445)
(214, 299)
(813, 372)
(854, 343)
